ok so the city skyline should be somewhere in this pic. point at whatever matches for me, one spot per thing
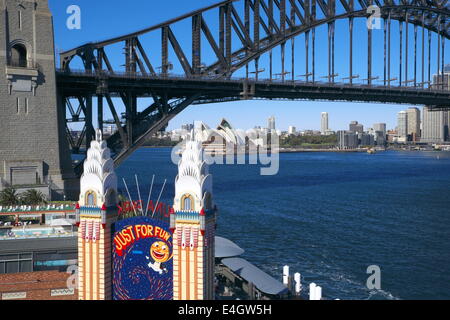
(412, 124)
(311, 119)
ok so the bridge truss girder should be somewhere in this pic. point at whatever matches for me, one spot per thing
(259, 26)
(302, 18)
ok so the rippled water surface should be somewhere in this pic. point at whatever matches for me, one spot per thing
(331, 215)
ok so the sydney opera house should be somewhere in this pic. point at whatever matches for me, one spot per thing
(225, 139)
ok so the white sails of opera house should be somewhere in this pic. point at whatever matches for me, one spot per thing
(225, 138)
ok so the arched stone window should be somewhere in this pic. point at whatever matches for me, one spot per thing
(91, 198)
(19, 56)
(187, 202)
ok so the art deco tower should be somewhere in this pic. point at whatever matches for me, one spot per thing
(96, 212)
(193, 225)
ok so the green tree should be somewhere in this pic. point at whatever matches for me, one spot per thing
(9, 197)
(33, 197)
(309, 141)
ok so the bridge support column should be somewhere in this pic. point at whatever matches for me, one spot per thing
(100, 112)
(89, 122)
(33, 145)
(131, 115)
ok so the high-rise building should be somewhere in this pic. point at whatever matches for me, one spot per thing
(380, 127)
(380, 138)
(402, 126)
(187, 127)
(380, 133)
(366, 139)
(413, 129)
(356, 127)
(324, 123)
(391, 136)
(443, 80)
(292, 130)
(435, 125)
(347, 140)
(271, 123)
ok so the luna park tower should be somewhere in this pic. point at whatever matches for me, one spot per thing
(192, 223)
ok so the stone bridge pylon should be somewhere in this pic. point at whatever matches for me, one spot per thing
(34, 152)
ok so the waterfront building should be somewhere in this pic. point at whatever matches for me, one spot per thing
(347, 140)
(174, 137)
(225, 138)
(380, 138)
(35, 259)
(187, 127)
(356, 127)
(324, 123)
(271, 123)
(310, 133)
(435, 125)
(391, 136)
(413, 128)
(109, 130)
(96, 211)
(36, 268)
(366, 139)
(442, 82)
(192, 223)
(402, 126)
(380, 127)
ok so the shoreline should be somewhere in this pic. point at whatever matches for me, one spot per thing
(302, 150)
(320, 150)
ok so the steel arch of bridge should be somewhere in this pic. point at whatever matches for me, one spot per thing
(259, 26)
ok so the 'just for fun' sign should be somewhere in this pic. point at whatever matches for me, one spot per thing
(142, 259)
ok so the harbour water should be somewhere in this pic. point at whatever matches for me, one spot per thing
(331, 215)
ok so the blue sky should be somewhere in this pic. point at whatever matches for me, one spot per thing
(104, 19)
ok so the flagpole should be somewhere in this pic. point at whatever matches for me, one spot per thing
(157, 202)
(129, 197)
(149, 195)
(139, 193)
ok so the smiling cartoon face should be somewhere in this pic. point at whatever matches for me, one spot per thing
(159, 251)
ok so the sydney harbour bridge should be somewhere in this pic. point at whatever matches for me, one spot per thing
(394, 52)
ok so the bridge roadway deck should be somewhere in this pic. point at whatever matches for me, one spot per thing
(221, 90)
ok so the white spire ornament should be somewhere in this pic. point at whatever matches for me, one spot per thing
(98, 184)
(193, 185)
